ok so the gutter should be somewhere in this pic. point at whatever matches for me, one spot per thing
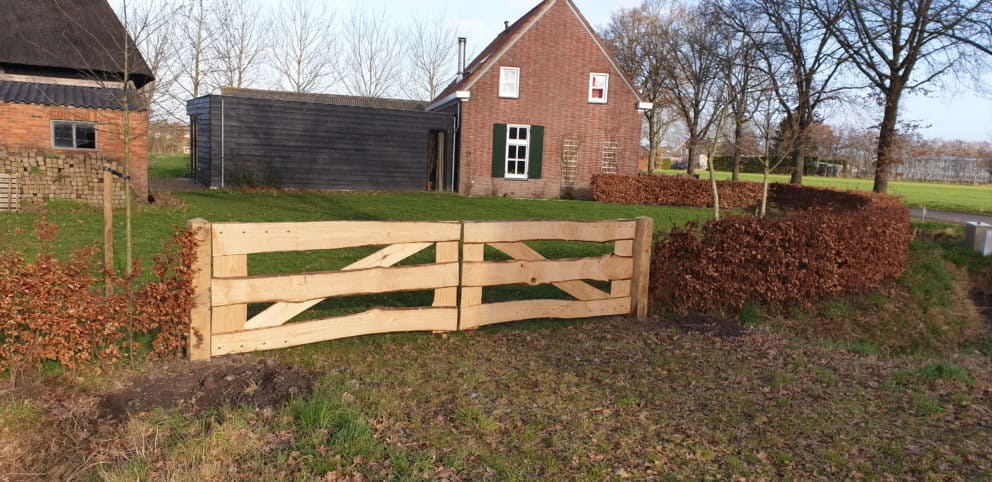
(460, 95)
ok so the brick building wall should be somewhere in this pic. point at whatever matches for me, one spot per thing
(555, 57)
(27, 132)
(43, 176)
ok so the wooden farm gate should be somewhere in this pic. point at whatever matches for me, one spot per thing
(223, 289)
(10, 193)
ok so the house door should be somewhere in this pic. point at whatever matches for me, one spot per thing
(193, 128)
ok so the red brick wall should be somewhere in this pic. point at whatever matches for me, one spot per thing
(29, 126)
(555, 58)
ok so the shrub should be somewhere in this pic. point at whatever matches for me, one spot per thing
(53, 309)
(673, 191)
(828, 243)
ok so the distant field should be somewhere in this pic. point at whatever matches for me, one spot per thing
(947, 197)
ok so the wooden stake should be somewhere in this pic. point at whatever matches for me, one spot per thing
(108, 231)
(200, 329)
(643, 238)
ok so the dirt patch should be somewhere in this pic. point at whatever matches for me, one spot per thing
(720, 327)
(195, 387)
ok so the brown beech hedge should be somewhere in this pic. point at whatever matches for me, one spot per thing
(55, 309)
(673, 191)
(825, 243)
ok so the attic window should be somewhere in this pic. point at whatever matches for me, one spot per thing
(599, 88)
(509, 82)
(73, 135)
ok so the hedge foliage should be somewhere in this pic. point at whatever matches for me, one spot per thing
(826, 243)
(55, 310)
(673, 191)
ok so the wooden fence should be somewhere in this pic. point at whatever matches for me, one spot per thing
(10, 193)
(220, 324)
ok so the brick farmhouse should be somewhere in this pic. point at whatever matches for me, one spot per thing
(542, 109)
(62, 99)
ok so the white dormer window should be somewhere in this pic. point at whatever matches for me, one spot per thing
(509, 82)
(599, 88)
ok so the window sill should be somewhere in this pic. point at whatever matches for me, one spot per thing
(508, 178)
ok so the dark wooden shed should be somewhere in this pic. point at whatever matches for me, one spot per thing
(247, 137)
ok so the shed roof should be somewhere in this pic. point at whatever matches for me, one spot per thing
(81, 35)
(64, 95)
(333, 99)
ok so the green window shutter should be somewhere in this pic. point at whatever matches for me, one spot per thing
(536, 151)
(499, 150)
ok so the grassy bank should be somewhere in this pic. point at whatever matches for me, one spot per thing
(168, 166)
(949, 197)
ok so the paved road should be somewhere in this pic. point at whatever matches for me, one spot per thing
(949, 217)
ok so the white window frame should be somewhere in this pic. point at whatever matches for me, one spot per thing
(606, 88)
(504, 93)
(96, 135)
(517, 143)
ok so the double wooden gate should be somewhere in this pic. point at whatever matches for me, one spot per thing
(223, 288)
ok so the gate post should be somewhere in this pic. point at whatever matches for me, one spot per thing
(198, 344)
(639, 293)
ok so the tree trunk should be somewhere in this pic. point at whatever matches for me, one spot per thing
(652, 142)
(690, 158)
(799, 161)
(886, 138)
(738, 135)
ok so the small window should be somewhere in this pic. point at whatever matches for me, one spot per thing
(599, 88)
(509, 82)
(73, 135)
(517, 150)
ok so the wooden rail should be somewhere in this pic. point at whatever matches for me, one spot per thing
(224, 289)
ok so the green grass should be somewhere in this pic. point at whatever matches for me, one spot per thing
(948, 197)
(168, 166)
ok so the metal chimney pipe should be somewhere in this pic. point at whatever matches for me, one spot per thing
(462, 41)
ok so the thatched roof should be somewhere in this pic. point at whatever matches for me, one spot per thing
(78, 35)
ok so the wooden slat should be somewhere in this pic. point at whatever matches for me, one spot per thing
(578, 289)
(370, 322)
(513, 231)
(446, 253)
(298, 288)
(200, 315)
(280, 313)
(489, 314)
(533, 273)
(471, 295)
(620, 289)
(227, 319)
(643, 241)
(278, 237)
(624, 247)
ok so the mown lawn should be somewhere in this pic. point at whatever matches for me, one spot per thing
(168, 166)
(948, 197)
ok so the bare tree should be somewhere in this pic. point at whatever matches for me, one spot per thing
(192, 64)
(240, 42)
(902, 45)
(691, 61)
(373, 54)
(430, 47)
(304, 51)
(745, 78)
(635, 37)
(150, 26)
(793, 44)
